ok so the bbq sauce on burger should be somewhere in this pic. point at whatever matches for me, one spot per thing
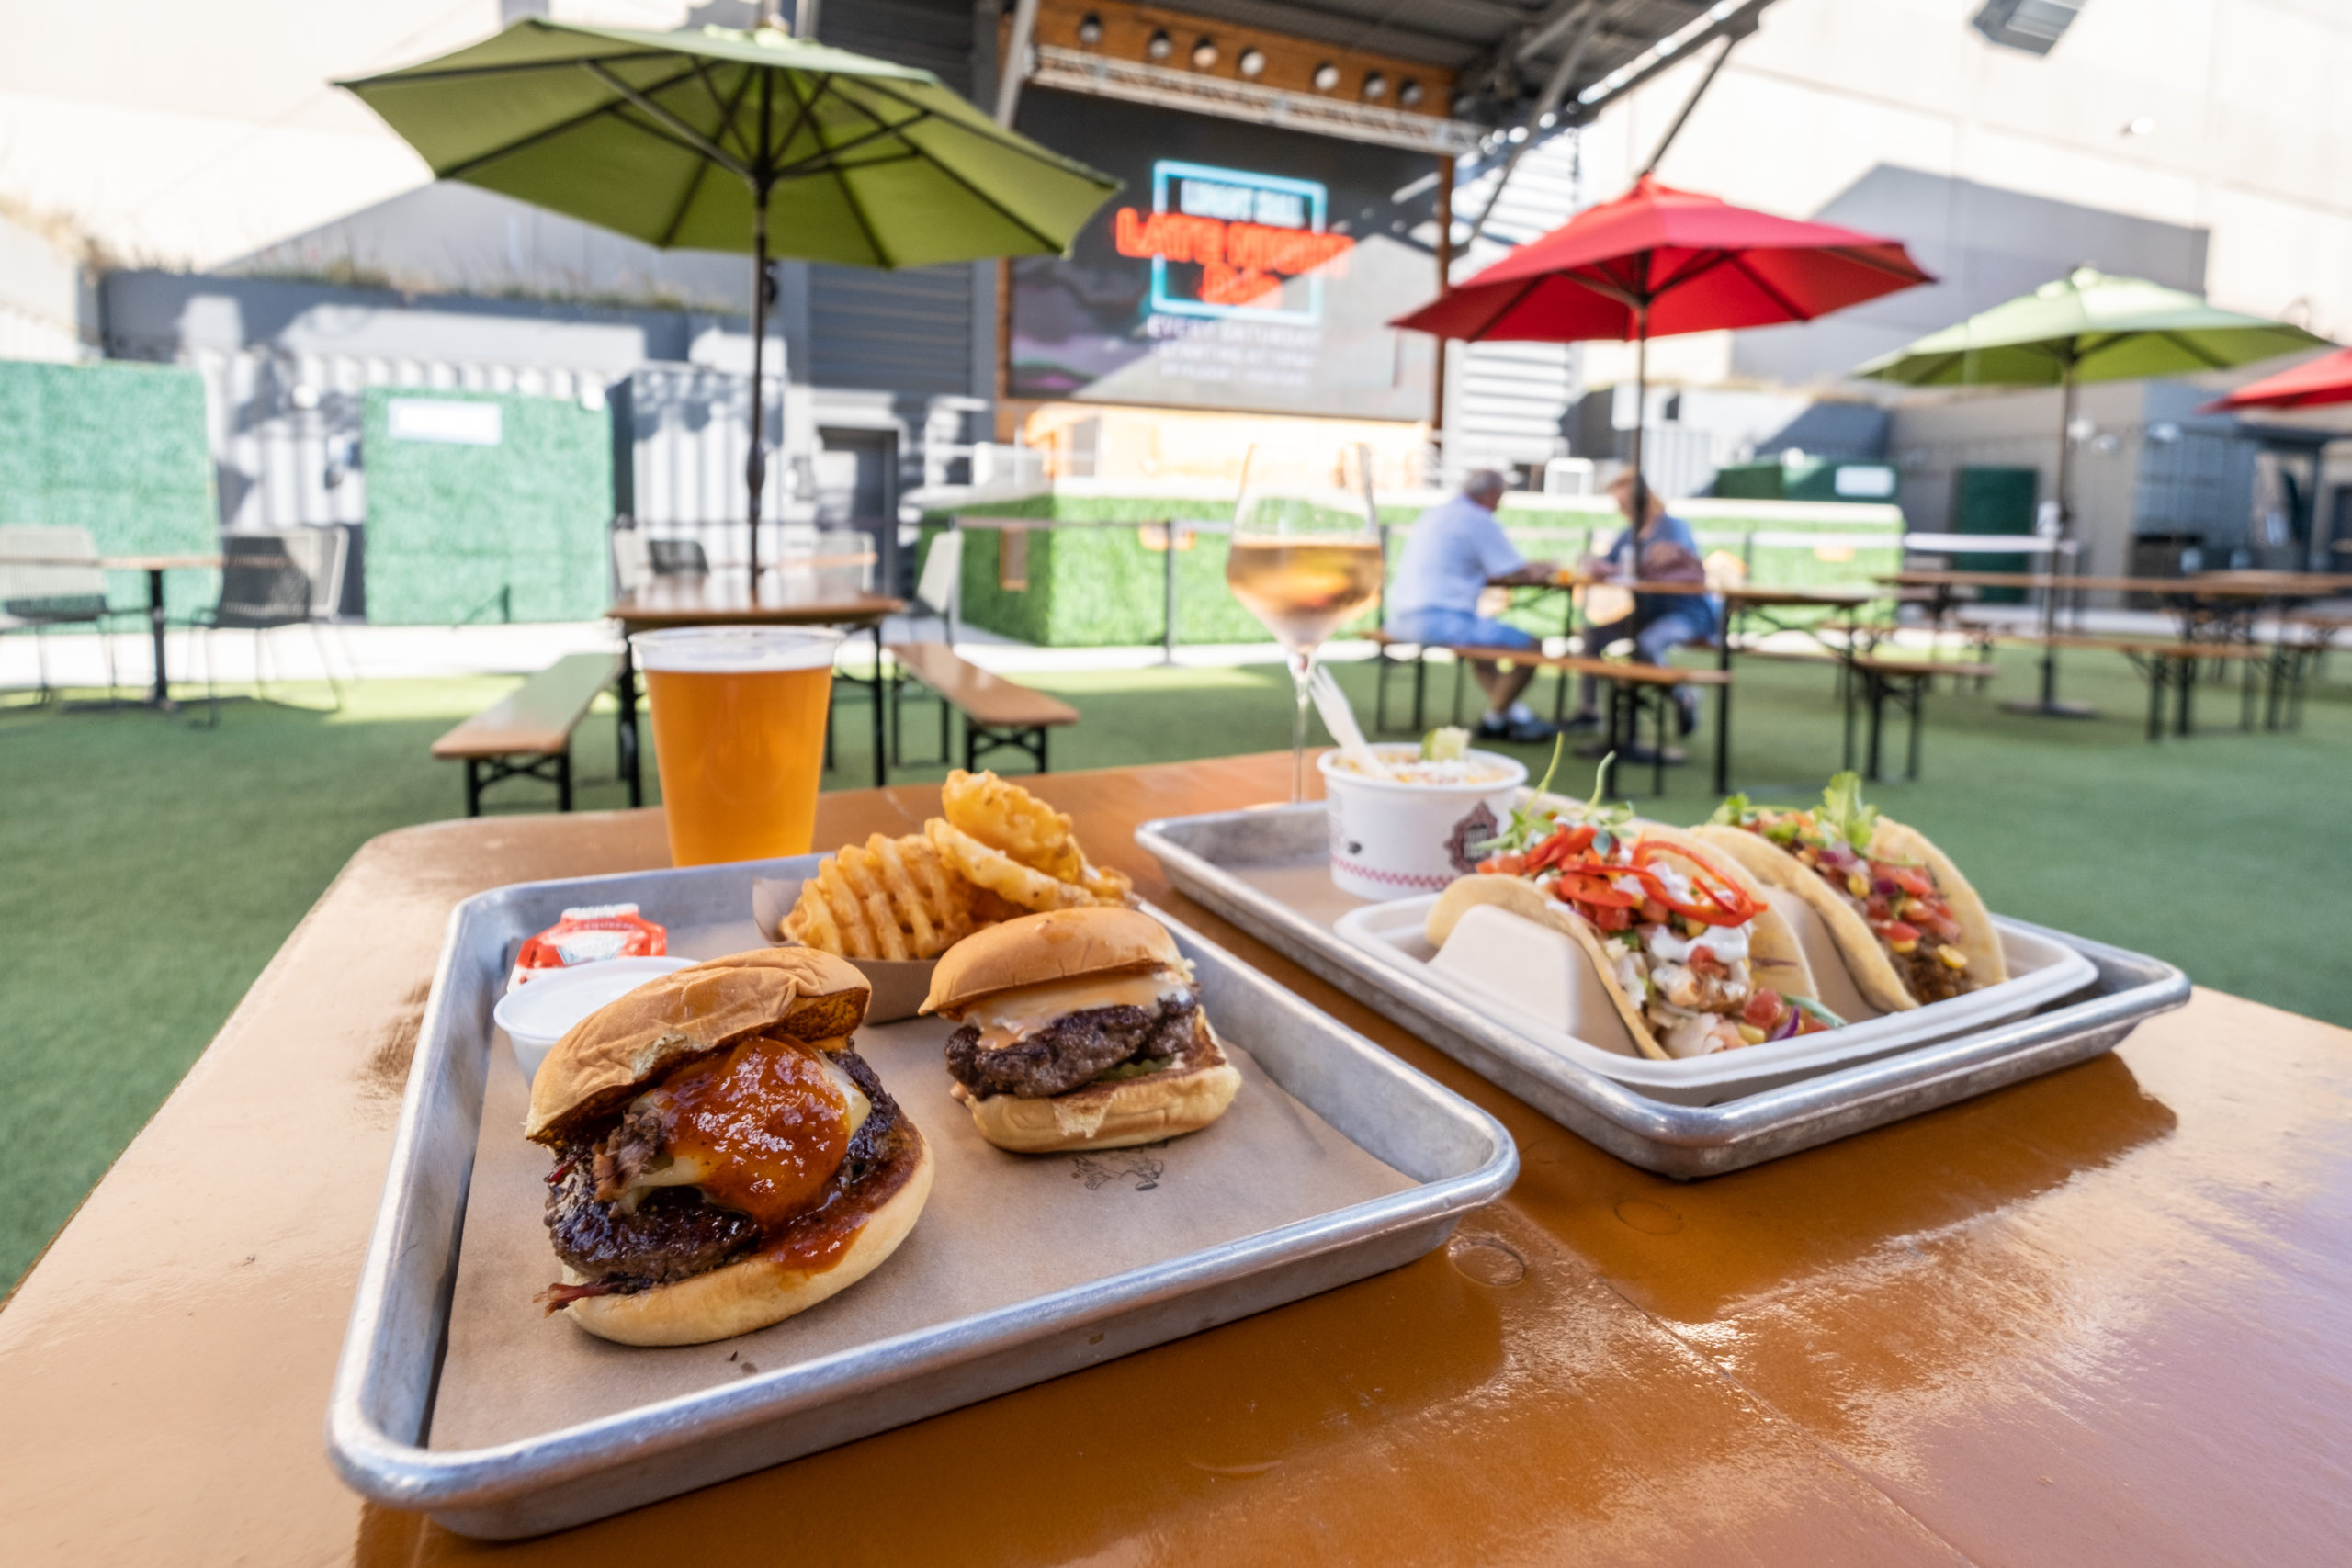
(724, 1159)
(1080, 1029)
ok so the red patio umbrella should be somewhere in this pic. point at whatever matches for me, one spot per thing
(1658, 260)
(2327, 379)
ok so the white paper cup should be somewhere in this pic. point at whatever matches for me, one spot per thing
(537, 1015)
(1394, 839)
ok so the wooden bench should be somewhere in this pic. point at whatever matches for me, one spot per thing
(999, 715)
(2166, 663)
(1902, 681)
(535, 721)
(1634, 689)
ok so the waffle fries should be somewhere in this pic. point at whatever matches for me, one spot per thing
(998, 852)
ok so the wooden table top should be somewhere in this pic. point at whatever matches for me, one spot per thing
(1757, 595)
(2203, 585)
(726, 598)
(2102, 1317)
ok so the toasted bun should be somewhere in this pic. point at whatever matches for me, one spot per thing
(755, 1292)
(1109, 1116)
(1035, 949)
(614, 1051)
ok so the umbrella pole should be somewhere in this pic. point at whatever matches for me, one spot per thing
(755, 469)
(1641, 421)
(2049, 707)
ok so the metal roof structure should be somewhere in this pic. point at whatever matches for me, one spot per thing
(1508, 53)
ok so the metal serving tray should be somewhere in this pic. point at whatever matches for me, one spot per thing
(382, 1409)
(1266, 870)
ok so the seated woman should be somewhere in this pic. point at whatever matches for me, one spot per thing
(1662, 550)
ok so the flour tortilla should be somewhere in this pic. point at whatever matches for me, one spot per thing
(1775, 957)
(1866, 961)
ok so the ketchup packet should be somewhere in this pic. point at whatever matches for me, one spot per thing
(587, 935)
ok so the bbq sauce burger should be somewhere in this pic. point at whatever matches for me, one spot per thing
(723, 1158)
(1081, 1030)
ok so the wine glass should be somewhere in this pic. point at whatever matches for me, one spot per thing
(1306, 559)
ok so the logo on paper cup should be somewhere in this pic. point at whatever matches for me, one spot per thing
(1471, 833)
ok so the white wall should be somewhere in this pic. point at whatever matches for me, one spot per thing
(182, 134)
(40, 296)
(2251, 138)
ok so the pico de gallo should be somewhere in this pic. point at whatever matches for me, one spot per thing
(1898, 899)
(1676, 932)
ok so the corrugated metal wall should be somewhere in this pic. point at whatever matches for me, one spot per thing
(902, 331)
(285, 426)
(1506, 401)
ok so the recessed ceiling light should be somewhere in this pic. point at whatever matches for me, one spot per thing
(1161, 46)
(1253, 62)
(1375, 85)
(1410, 94)
(1327, 76)
(1204, 54)
(1090, 31)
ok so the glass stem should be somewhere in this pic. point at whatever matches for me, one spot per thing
(1302, 672)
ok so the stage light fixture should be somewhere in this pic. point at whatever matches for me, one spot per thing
(1204, 54)
(1409, 95)
(1090, 31)
(1376, 86)
(1327, 77)
(1161, 46)
(1253, 62)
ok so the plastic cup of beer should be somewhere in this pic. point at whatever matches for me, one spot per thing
(739, 733)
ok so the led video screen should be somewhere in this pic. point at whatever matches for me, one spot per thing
(1240, 268)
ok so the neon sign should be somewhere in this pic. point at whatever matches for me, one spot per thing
(1247, 233)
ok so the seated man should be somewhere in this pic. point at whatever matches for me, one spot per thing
(1662, 550)
(1455, 552)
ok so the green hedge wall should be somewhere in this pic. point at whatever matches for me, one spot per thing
(1100, 588)
(450, 525)
(117, 448)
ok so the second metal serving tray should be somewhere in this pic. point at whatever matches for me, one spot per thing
(1451, 1156)
(1266, 870)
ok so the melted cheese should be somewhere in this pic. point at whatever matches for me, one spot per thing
(689, 1168)
(1005, 1017)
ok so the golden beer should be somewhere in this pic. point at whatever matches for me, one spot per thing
(738, 737)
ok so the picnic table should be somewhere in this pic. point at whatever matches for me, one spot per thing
(1743, 603)
(2094, 1318)
(730, 598)
(2211, 605)
(159, 693)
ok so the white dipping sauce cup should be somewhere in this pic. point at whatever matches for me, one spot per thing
(537, 1015)
(1394, 839)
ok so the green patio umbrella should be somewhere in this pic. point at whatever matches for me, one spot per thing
(720, 140)
(2086, 326)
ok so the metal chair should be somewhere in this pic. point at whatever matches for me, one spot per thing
(271, 580)
(677, 558)
(49, 586)
(632, 560)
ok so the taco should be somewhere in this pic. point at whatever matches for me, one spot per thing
(1911, 929)
(1687, 947)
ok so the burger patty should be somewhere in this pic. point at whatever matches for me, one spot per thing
(676, 1232)
(1073, 1050)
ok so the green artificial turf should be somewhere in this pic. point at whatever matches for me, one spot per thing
(172, 861)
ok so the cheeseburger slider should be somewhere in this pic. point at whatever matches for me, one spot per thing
(1081, 1030)
(723, 1158)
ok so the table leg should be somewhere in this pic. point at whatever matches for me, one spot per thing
(162, 693)
(881, 761)
(625, 728)
(1723, 713)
